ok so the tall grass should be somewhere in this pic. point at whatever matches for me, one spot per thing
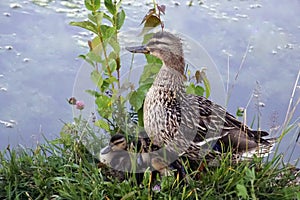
(62, 170)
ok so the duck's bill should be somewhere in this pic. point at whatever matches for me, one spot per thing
(105, 150)
(138, 49)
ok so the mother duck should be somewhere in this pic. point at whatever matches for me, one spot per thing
(186, 124)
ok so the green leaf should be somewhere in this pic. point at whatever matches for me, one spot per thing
(147, 37)
(106, 16)
(152, 21)
(137, 97)
(92, 5)
(206, 83)
(107, 82)
(107, 31)
(149, 73)
(250, 173)
(153, 60)
(105, 86)
(86, 25)
(115, 45)
(242, 191)
(96, 17)
(196, 90)
(111, 80)
(94, 57)
(104, 104)
(298, 195)
(136, 100)
(93, 93)
(92, 18)
(102, 124)
(99, 17)
(89, 5)
(87, 60)
(112, 66)
(95, 45)
(143, 89)
(112, 55)
(190, 89)
(97, 78)
(240, 112)
(120, 19)
(140, 113)
(147, 81)
(111, 7)
(199, 90)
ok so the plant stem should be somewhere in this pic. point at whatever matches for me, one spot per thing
(105, 54)
(118, 70)
(238, 72)
(117, 59)
(287, 116)
(228, 72)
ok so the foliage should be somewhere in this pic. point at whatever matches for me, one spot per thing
(64, 169)
(104, 56)
(195, 82)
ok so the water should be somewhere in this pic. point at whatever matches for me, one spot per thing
(38, 64)
(38, 72)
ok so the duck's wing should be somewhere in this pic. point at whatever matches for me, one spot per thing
(238, 137)
(202, 119)
(216, 124)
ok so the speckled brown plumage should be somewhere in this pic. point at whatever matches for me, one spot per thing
(187, 124)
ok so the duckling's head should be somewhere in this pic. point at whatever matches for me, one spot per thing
(159, 164)
(166, 47)
(117, 143)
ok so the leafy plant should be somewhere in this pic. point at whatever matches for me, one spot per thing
(104, 56)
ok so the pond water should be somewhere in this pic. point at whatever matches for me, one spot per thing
(38, 59)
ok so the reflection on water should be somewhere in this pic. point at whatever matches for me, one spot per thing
(38, 64)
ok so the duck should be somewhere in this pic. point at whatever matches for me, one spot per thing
(185, 124)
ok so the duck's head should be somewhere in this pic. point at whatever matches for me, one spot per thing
(166, 47)
(117, 143)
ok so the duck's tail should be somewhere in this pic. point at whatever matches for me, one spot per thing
(263, 149)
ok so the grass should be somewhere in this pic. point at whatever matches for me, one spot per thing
(60, 170)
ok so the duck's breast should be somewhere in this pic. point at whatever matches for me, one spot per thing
(154, 115)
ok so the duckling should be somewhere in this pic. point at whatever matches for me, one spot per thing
(154, 159)
(186, 124)
(117, 147)
(114, 159)
(117, 159)
(121, 160)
